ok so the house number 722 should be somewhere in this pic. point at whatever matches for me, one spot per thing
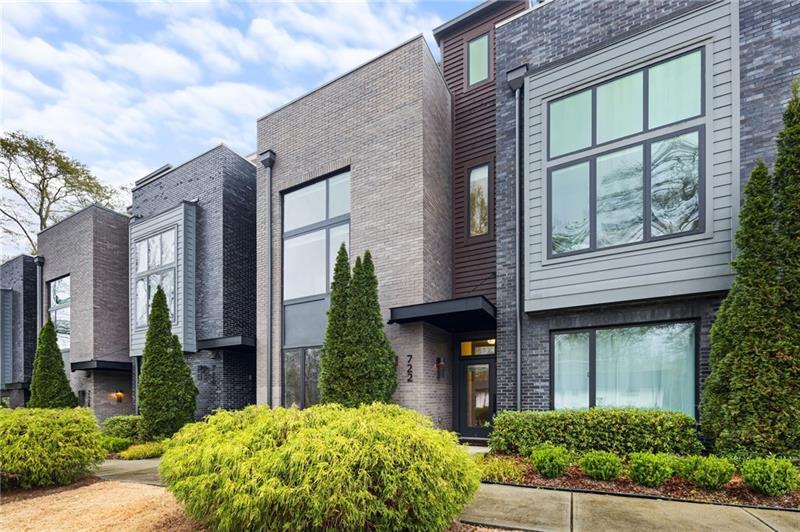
(410, 370)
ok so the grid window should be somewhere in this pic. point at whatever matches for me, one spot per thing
(156, 265)
(59, 310)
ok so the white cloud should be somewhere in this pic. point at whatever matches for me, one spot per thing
(153, 63)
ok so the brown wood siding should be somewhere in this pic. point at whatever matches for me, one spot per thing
(474, 259)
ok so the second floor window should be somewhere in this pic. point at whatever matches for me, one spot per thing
(625, 158)
(59, 309)
(155, 266)
(479, 200)
(478, 59)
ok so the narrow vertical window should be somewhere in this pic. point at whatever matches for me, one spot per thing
(571, 371)
(570, 208)
(478, 52)
(479, 201)
(59, 310)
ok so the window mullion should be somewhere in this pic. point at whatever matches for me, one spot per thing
(647, 191)
(592, 368)
(593, 204)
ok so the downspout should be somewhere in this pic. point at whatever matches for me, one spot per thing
(39, 260)
(516, 80)
(267, 159)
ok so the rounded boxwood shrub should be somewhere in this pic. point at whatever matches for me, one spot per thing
(650, 469)
(550, 460)
(712, 472)
(617, 430)
(685, 466)
(601, 465)
(129, 427)
(770, 476)
(375, 467)
(42, 446)
(113, 444)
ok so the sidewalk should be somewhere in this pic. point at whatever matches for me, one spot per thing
(548, 510)
(138, 471)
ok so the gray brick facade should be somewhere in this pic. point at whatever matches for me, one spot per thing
(18, 277)
(222, 186)
(91, 247)
(389, 122)
(560, 31)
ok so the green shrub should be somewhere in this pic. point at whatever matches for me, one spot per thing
(712, 472)
(167, 393)
(770, 476)
(129, 427)
(49, 384)
(550, 460)
(140, 451)
(685, 466)
(649, 469)
(42, 447)
(113, 444)
(500, 469)
(601, 465)
(618, 430)
(375, 467)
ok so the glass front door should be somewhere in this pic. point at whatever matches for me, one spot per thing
(476, 380)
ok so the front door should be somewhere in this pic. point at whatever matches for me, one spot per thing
(476, 387)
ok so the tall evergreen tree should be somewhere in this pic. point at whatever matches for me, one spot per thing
(49, 384)
(372, 360)
(167, 393)
(333, 381)
(751, 400)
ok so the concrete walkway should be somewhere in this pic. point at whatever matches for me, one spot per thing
(138, 471)
(549, 510)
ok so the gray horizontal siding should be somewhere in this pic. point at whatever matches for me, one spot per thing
(684, 265)
(183, 218)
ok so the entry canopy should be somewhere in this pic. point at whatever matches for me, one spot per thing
(465, 314)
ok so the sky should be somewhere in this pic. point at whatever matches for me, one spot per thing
(127, 87)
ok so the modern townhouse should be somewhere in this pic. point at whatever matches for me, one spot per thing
(192, 232)
(625, 133)
(81, 274)
(17, 328)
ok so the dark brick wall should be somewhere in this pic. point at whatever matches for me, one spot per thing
(224, 379)
(560, 30)
(19, 276)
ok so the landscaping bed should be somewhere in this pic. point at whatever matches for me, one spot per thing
(734, 492)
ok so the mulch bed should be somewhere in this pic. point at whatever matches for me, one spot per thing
(735, 492)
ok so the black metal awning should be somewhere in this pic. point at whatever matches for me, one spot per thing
(101, 365)
(227, 343)
(474, 313)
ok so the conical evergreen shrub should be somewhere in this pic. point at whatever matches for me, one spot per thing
(49, 384)
(751, 399)
(167, 393)
(333, 380)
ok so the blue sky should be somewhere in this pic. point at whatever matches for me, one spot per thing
(128, 87)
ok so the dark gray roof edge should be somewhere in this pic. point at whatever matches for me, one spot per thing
(466, 16)
(341, 76)
(91, 206)
(168, 169)
(15, 257)
(141, 219)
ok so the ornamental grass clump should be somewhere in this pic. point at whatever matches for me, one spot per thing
(649, 469)
(140, 451)
(44, 447)
(550, 461)
(771, 476)
(500, 469)
(601, 465)
(375, 467)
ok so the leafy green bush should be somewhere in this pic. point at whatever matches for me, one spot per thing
(375, 467)
(618, 430)
(550, 460)
(123, 427)
(712, 472)
(685, 466)
(649, 469)
(500, 469)
(113, 444)
(601, 465)
(42, 447)
(770, 476)
(140, 451)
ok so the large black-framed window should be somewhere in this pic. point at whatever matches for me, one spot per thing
(650, 365)
(626, 158)
(156, 261)
(60, 299)
(316, 222)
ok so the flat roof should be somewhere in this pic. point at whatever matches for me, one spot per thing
(468, 16)
(93, 205)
